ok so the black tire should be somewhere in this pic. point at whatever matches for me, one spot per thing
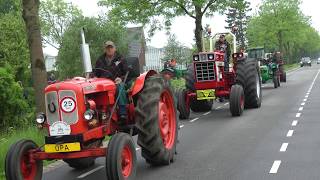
(183, 107)
(80, 163)
(147, 123)
(116, 146)
(189, 77)
(13, 162)
(201, 105)
(236, 100)
(283, 77)
(248, 75)
(275, 82)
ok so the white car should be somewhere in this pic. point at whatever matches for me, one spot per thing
(318, 61)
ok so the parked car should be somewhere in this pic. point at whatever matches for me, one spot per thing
(318, 61)
(305, 61)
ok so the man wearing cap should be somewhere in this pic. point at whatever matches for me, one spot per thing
(223, 45)
(112, 65)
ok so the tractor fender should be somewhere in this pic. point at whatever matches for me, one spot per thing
(139, 82)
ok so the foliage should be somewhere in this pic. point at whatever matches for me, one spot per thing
(280, 25)
(13, 43)
(149, 11)
(237, 17)
(14, 108)
(175, 50)
(98, 31)
(56, 17)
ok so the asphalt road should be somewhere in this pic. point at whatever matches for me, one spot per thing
(278, 141)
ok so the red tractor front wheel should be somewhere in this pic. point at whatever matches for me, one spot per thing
(18, 165)
(236, 100)
(121, 158)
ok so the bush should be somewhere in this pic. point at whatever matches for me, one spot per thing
(14, 109)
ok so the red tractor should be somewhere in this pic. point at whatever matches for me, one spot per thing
(207, 80)
(81, 112)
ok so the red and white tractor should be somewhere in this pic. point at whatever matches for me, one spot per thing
(81, 112)
(207, 80)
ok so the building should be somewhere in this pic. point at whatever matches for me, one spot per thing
(154, 56)
(50, 62)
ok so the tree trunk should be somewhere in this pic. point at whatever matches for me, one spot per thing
(198, 30)
(39, 74)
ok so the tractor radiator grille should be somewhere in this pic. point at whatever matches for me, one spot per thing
(54, 111)
(205, 71)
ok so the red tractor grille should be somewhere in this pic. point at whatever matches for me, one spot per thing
(204, 71)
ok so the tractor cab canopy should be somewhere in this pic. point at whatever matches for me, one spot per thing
(256, 53)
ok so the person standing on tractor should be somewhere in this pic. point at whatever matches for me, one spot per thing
(112, 65)
(223, 45)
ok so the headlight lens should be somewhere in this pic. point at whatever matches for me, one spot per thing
(88, 115)
(41, 118)
(196, 58)
(210, 56)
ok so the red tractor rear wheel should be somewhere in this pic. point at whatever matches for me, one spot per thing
(121, 158)
(156, 122)
(236, 100)
(18, 165)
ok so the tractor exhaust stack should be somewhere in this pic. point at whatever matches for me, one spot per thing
(85, 52)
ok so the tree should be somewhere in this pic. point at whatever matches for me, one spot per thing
(237, 17)
(175, 50)
(98, 31)
(56, 16)
(280, 25)
(148, 11)
(13, 43)
(30, 15)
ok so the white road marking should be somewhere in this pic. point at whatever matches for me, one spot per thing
(284, 147)
(90, 172)
(301, 108)
(226, 104)
(306, 96)
(298, 114)
(137, 149)
(218, 107)
(305, 100)
(193, 120)
(207, 113)
(290, 133)
(181, 126)
(302, 104)
(275, 167)
(294, 123)
(308, 93)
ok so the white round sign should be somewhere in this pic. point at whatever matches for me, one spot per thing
(59, 128)
(68, 104)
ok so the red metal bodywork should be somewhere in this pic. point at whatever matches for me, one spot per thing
(99, 93)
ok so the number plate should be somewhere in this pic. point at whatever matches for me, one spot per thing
(57, 148)
(206, 94)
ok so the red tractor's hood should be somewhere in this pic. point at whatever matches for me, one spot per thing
(88, 86)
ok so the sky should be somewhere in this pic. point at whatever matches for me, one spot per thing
(184, 26)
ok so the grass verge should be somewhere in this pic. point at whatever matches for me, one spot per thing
(288, 67)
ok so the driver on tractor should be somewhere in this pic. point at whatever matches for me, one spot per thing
(223, 45)
(112, 65)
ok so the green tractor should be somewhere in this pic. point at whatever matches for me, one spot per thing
(270, 71)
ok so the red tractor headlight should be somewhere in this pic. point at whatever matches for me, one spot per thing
(196, 58)
(88, 115)
(210, 56)
(41, 118)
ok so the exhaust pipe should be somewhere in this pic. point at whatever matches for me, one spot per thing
(85, 52)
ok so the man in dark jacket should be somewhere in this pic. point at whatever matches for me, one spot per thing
(223, 45)
(112, 65)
